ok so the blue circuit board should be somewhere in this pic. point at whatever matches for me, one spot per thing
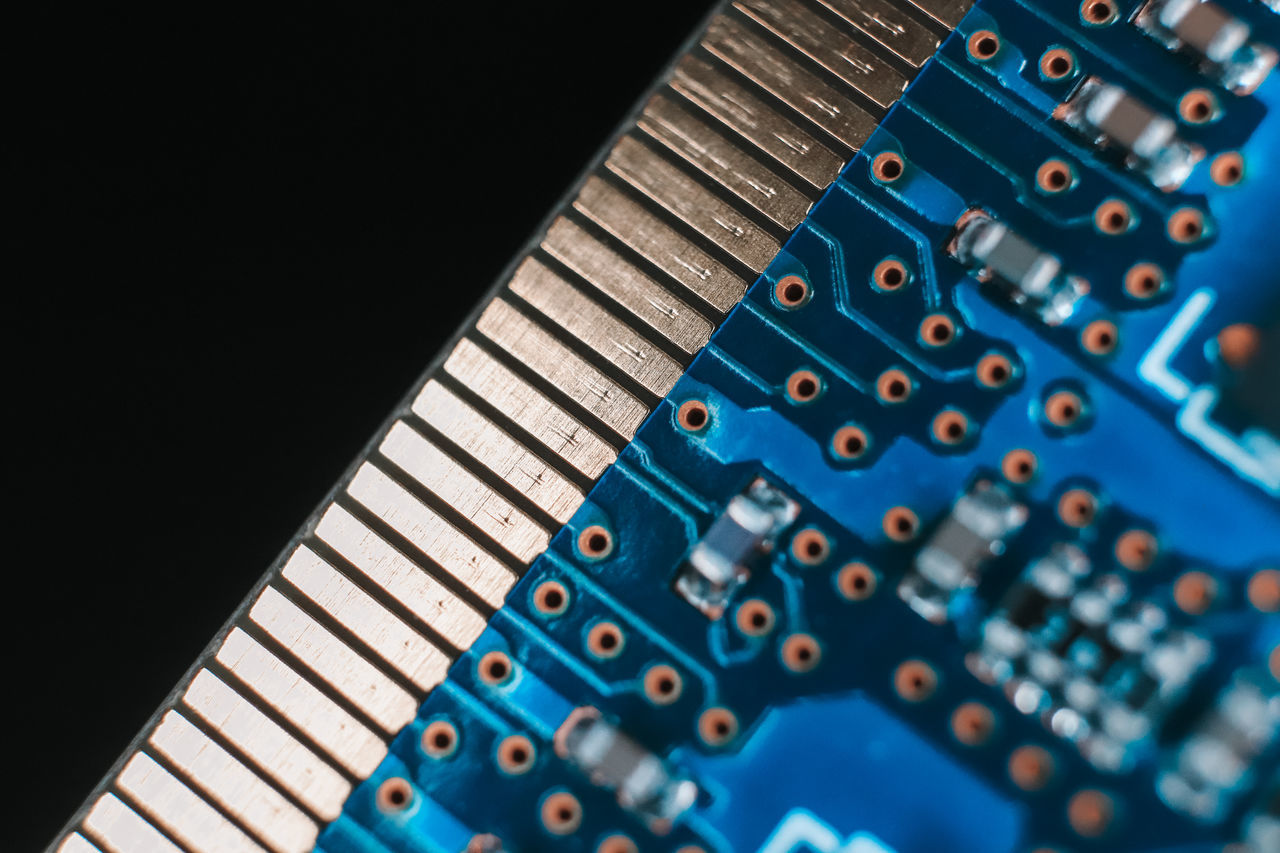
(833, 705)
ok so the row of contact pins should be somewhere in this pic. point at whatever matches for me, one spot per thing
(400, 574)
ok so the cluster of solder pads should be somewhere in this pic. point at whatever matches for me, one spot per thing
(1068, 642)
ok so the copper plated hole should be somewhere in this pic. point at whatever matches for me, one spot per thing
(800, 653)
(1054, 176)
(717, 726)
(550, 598)
(950, 427)
(983, 45)
(1097, 12)
(856, 581)
(595, 542)
(791, 291)
(803, 386)
(810, 547)
(1135, 550)
(693, 415)
(900, 524)
(439, 739)
(972, 723)
(1227, 169)
(1063, 408)
(1186, 225)
(1019, 465)
(1100, 337)
(850, 442)
(495, 668)
(561, 813)
(890, 274)
(1030, 767)
(915, 680)
(662, 684)
(893, 386)
(605, 640)
(1090, 812)
(394, 795)
(1077, 508)
(1143, 281)
(1056, 64)
(515, 755)
(887, 167)
(755, 617)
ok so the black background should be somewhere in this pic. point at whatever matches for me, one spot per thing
(241, 240)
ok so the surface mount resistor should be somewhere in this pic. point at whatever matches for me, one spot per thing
(1219, 41)
(1031, 279)
(718, 564)
(611, 759)
(951, 561)
(1110, 117)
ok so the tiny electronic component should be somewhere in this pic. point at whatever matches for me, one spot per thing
(1208, 769)
(1218, 40)
(719, 563)
(1046, 585)
(1109, 117)
(613, 760)
(1100, 669)
(951, 561)
(1031, 279)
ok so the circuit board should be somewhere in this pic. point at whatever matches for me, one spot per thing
(962, 531)
(904, 660)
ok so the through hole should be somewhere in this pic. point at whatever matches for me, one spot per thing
(1143, 280)
(983, 44)
(900, 524)
(856, 581)
(1097, 11)
(800, 653)
(849, 442)
(495, 668)
(791, 291)
(595, 542)
(1077, 508)
(887, 167)
(803, 386)
(662, 684)
(394, 794)
(692, 415)
(893, 386)
(1186, 225)
(604, 640)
